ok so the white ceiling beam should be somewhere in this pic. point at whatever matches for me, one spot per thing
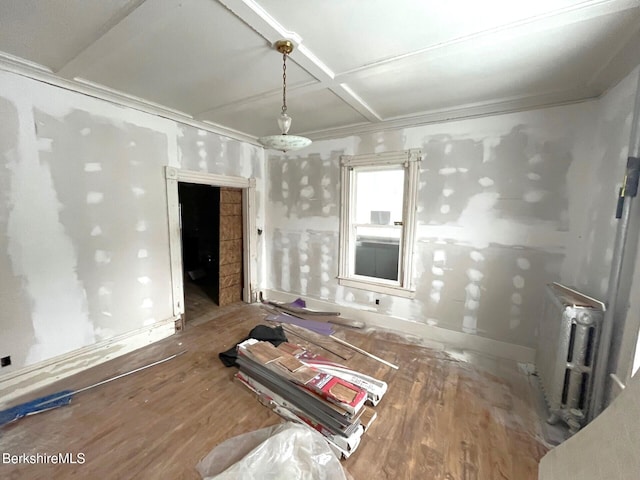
(270, 29)
(293, 90)
(133, 21)
(341, 90)
(263, 23)
(259, 20)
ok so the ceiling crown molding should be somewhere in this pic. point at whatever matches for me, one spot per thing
(11, 64)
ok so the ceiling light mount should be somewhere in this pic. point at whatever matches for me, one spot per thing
(284, 141)
(285, 47)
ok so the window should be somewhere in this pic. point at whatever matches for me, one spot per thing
(377, 228)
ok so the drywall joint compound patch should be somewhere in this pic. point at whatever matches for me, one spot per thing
(59, 312)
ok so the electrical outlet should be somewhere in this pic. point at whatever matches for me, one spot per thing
(377, 301)
(5, 361)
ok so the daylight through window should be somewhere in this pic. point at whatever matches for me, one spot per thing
(378, 221)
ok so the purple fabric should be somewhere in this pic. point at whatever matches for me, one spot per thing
(298, 303)
(323, 328)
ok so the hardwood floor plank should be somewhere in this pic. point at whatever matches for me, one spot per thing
(442, 417)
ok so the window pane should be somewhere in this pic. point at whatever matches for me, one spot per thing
(378, 221)
(375, 256)
(379, 196)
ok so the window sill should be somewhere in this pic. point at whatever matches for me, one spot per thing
(377, 287)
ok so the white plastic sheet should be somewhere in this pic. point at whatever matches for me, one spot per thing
(286, 451)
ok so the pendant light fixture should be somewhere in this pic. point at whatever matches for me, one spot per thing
(284, 141)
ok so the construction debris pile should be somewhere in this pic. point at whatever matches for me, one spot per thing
(303, 393)
(306, 388)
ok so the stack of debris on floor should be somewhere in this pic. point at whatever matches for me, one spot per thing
(297, 313)
(306, 388)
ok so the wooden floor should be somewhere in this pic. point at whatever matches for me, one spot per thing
(198, 306)
(444, 417)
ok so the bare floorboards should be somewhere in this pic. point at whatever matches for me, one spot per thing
(442, 418)
(198, 306)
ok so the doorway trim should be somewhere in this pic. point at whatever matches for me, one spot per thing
(249, 233)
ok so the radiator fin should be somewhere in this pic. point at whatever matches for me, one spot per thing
(569, 332)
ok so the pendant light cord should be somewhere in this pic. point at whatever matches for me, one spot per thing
(284, 83)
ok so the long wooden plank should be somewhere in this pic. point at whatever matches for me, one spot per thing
(363, 352)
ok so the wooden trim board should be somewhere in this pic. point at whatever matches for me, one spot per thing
(435, 336)
(42, 374)
(249, 232)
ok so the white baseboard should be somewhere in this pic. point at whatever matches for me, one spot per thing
(20, 382)
(437, 337)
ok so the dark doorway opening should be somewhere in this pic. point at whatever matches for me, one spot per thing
(212, 247)
(200, 232)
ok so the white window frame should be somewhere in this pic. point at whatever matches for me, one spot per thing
(410, 160)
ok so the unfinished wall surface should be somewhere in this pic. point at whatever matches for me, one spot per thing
(610, 148)
(84, 249)
(626, 317)
(499, 199)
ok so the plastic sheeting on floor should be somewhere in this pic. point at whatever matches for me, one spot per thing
(284, 451)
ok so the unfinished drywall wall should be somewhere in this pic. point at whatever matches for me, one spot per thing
(84, 248)
(593, 247)
(626, 316)
(108, 183)
(13, 296)
(202, 151)
(497, 205)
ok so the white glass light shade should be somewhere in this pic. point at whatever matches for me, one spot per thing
(284, 142)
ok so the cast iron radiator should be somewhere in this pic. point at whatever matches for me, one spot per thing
(569, 333)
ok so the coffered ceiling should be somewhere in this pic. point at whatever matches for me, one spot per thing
(358, 65)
